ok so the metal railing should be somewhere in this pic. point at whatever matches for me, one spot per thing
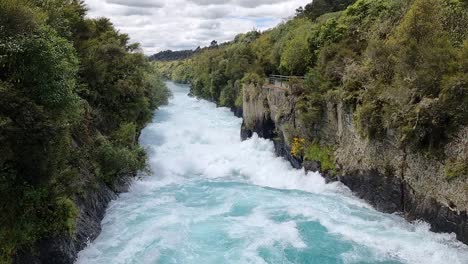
(283, 81)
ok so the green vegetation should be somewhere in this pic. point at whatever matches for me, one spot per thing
(412, 72)
(297, 147)
(320, 7)
(456, 169)
(398, 65)
(314, 152)
(323, 154)
(74, 95)
(217, 73)
(169, 55)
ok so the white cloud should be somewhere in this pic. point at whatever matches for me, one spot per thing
(185, 24)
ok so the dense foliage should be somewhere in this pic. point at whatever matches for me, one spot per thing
(319, 7)
(169, 55)
(73, 97)
(408, 78)
(399, 65)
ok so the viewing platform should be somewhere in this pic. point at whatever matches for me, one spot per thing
(282, 82)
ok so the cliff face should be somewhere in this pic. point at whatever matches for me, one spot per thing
(391, 178)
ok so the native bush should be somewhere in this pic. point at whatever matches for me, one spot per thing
(74, 95)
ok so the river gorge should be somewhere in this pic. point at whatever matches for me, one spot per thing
(212, 198)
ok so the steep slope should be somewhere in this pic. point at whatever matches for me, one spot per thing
(392, 178)
(74, 96)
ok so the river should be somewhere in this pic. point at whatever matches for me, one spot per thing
(212, 199)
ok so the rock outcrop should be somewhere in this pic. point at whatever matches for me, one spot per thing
(391, 178)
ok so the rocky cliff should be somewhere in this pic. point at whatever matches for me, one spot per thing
(391, 178)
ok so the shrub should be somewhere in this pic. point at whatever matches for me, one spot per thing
(34, 214)
(156, 92)
(297, 147)
(369, 121)
(295, 56)
(253, 78)
(228, 95)
(114, 161)
(456, 169)
(322, 154)
(320, 7)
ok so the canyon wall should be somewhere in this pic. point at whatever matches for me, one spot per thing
(390, 177)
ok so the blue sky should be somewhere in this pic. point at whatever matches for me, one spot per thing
(185, 24)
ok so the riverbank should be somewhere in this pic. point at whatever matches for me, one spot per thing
(388, 177)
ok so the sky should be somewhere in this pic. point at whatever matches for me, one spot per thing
(186, 24)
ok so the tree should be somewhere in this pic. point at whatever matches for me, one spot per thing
(296, 56)
(213, 44)
(299, 11)
(74, 95)
(319, 7)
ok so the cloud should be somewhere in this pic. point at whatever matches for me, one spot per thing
(186, 24)
(242, 3)
(137, 3)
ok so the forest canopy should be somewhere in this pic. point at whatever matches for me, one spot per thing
(74, 94)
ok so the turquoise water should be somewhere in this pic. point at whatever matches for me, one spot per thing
(211, 198)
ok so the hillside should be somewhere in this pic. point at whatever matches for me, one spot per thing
(74, 96)
(169, 55)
